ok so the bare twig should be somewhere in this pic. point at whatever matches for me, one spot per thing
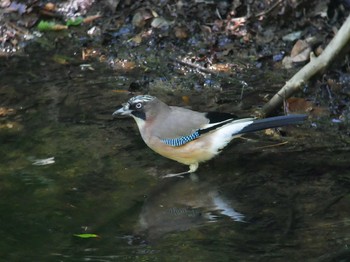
(274, 145)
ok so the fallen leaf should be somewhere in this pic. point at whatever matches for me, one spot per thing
(91, 18)
(154, 13)
(86, 235)
(301, 51)
(50, 7)
(75, 21)
(181, 32)
(4, 111)
(90, 53)
(50, 26)
(124, 65)
(221, 67)
(301, 105)
(140, 18)
(159, 22)
(292, 36)
(186, 100)
(287, 62)
(303, 56)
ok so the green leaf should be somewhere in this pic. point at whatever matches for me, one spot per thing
(45, 26)
(86, 235)
(75, 21)
(50, 26)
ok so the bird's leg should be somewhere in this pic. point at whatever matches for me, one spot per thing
(193, 168)
(174, 175)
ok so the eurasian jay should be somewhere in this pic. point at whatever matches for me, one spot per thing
(191, 137)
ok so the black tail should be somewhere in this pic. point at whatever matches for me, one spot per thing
(272, 122)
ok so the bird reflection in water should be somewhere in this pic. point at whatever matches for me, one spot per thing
(182, 205)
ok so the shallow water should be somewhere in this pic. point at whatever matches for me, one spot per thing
(68, 168)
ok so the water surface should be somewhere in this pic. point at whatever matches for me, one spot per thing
(68, 168)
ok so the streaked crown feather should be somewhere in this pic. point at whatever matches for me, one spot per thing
(140, 98)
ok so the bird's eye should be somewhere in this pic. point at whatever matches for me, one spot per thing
(138, 105)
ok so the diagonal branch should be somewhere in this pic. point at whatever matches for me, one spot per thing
(316, 65)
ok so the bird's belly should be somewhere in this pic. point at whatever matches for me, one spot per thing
(193, 152)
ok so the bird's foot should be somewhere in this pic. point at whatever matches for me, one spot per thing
(193, 168)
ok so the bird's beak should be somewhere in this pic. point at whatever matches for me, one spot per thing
(122, 110)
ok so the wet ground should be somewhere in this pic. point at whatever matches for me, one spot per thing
(68, 168)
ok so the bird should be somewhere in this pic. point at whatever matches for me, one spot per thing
(191, 137)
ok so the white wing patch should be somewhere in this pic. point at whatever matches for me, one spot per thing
(223, 135)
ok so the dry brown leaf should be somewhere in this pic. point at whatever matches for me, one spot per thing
(301, 51)
(5, 111)
(89, 52)
(124, 65)
(91, 18)
(140, 18)
(186, 100)
(221, 67)
(300, 105)
(59, 27)
(181, 32)
(50, 7)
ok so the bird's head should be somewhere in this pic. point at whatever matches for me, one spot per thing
(137, 107)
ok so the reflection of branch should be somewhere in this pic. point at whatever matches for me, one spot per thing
(315, 66)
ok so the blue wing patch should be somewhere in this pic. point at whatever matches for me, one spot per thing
(179, 141)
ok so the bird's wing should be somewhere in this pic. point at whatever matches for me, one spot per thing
(195, 125)
(177, 123)
(227, 126)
